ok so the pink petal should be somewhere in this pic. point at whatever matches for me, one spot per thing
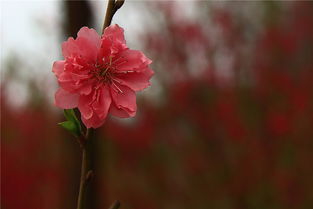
(91, 35)
(105, 50)
(65, 77)
(66, 100)
(136, 80)
(124, 100)
(93, 122)
(112, 43)
(83, 46)
(58, 67)
(102, 103)
(66, 82)
(84, 105)
(86, 88)
(114, 32)
(132, 60)
(75, 83)
(121, 113)
(70, 47)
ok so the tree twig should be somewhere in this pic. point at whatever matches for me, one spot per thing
(86, 170)
(113, 6)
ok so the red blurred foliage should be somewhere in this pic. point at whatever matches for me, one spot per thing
(31, 174)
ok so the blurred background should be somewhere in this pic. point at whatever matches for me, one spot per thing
(226, 124)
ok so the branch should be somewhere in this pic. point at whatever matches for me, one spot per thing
(113, 6)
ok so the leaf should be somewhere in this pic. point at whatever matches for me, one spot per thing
(71, 127)
(71, 116)
(72, 124)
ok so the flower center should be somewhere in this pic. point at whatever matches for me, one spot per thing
(104, 72)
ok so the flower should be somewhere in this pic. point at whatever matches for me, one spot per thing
(100, 75)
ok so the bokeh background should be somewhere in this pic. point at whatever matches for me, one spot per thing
(226, 124)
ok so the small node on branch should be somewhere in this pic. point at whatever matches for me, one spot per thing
(115, 205)
(89, 175)
(118, 4)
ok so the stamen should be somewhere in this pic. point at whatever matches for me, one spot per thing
(117, 60)
(117, 87)
(114, 79)
(127, 71)
(124, 61)
(104, 71)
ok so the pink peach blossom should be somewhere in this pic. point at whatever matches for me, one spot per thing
(100, 75)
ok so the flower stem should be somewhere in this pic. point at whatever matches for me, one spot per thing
(113, 6)
(86, 170)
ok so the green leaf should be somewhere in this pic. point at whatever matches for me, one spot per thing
(72, 124)
(71, 116)
(71, 127)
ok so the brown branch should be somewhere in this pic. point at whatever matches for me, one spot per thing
(86, 170)
(113, 6)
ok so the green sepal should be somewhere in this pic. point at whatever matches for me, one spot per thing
(70, 115)
(72, 124)
(71, 127)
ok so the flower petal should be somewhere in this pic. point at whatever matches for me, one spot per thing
(112, 43)
(132, 60)
(69, 47)
(66, 100)
(75, 83)
(105, 51)
(83, 46)
(102, 102)
(91, 35)
(58, 67)
(115, 33)
(121, 113)
(93, 122)
(124, 99)
(84, 105)
(135, 80)
(94, 107)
